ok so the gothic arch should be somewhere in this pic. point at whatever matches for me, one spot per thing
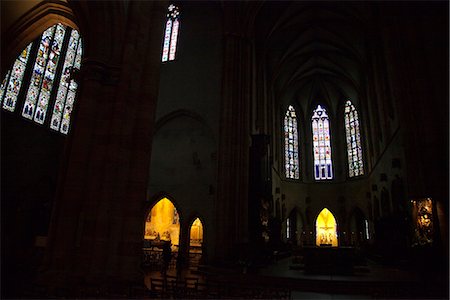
(193, 217)
(29, 25)
(298, 226)
(152, 204)
(356, 226)
(326, 228)
(180, 113)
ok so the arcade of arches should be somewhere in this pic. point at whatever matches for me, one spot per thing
(235, 131)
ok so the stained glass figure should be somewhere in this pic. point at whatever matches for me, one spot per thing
(49, 75)
(34, 88)
(12, 82)
(323, 168)
(48, 81)
(291, 144)
(353, 135)
(67, 86)
(171, 34)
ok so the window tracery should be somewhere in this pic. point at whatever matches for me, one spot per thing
(353, 136)
(49, 84)
(171, 34)
(291, 144)
(323, 168)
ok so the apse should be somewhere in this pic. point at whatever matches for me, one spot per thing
(326, 229)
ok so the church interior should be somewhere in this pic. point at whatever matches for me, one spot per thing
(224, 149)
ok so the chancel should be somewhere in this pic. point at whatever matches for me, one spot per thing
(326, 233)
(224, 149)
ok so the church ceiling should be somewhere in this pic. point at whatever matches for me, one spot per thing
(312, 52)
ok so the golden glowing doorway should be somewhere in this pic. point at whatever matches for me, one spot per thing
(326, 229)
(195, 242)
(196, 233)
(163, 224)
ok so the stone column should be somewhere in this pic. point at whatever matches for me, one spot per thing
(97, 225)
(233, 185)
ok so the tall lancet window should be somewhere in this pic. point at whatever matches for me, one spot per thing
(354, 150)
(47, 88)
(323, 168)
(291, 144)
(171, 33)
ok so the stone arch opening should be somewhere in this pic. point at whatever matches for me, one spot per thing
(196, 241)
(162, 225)
(326, 229)
(358, 228)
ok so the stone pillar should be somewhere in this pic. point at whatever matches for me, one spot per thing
(97, 224)
(232, 206)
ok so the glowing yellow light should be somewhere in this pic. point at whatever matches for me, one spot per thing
(163, 222)
(196, 236)
(326, 229)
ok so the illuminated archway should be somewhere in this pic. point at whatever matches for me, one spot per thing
(195, 242)
(196, 234)
(326, 229)
(163, 223)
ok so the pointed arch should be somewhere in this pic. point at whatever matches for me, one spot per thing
(353, 137)
(326, 229)
(323, 167)
(196, 233)
(297, 226)
(51, 59)
(163, 223)
(358, 226)
(291, 155)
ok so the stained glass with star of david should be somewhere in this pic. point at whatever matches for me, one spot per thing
(323, 168)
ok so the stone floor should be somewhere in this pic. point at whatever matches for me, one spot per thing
(371, 281)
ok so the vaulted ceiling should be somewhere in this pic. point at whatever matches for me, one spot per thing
(312, 52)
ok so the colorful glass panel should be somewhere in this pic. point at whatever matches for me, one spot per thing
(49, 75)
(67, 86)
(166, 44)
(38, 73)
(171, 34)
(14, 80)
(3, 85)
(353, 137)
(291, 144)
(68, 108)
(323, 168)
(45, 74)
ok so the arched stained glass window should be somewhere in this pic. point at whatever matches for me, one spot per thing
(14, 80)
(171, 33)
(51, 58)
(323, 168)
(354, 150)
(67, 87)
(291, 144)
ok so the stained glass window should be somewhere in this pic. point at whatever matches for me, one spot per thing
(291, 144)
(354, 150)
(49, 85)
(323, 168)
(65, 96)
(288, 229)
(13, 80)
(171, 33)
